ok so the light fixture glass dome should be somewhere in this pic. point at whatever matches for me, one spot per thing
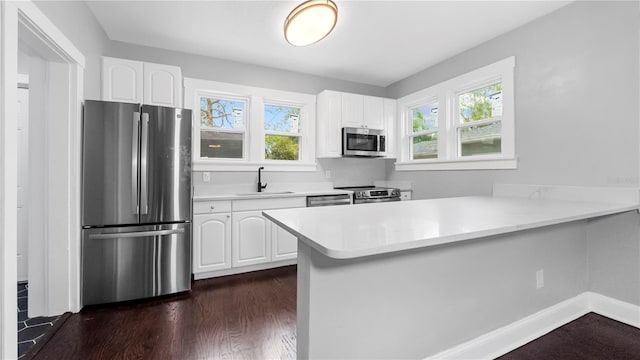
(310, 22)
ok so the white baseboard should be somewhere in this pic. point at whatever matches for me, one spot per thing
(615, 309)
(243, 269)
(516, 334)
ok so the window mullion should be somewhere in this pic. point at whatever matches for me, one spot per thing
(479, 122)
(255, 133)
(449, 142)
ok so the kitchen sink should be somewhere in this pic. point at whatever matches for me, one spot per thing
(265, 193)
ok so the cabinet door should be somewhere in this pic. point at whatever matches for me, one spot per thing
(251, 238)
(211, 242)
(285, 244)
(373, 110)
(162, 85)
(329, 125)
(390, 127)
(121, 80)
(352, 107)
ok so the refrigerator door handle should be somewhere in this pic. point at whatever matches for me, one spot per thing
(144, 188)
(134, 162)
(136, 234)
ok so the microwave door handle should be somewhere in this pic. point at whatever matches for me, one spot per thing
(144, 164)
(134, 162)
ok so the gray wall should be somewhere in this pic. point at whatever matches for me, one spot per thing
(613, 258)
(576, 101)
(207, 68)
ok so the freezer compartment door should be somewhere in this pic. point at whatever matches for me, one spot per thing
(165, 165)
(110, 156)
(136, 262)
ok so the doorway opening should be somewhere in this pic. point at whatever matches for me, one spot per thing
(52, 258)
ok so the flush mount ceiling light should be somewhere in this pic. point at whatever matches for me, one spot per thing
(310, 22)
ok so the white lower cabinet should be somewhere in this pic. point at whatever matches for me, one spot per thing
(284, 244)
(232, 236)
(211, 245)
(250, 238)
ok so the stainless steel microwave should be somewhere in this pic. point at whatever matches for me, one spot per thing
(363, 142)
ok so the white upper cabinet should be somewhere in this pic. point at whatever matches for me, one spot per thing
(362, 111)
(329, 124)
(140, 82)
(121, 80)
(162, 85)
(352, 110)
(390, 127)
(373, 109)
(336, 110)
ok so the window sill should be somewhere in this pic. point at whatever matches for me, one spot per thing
(203, 165)
(479, 164)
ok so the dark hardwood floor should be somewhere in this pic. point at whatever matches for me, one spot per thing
(247, 316)
(253, 316)
(590, 337)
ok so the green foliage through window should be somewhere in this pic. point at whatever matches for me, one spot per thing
(279, 147)
(480, 104)
(425, 117)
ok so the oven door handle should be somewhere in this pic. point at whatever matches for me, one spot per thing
(378, 200)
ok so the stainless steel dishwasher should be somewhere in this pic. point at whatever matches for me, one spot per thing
(328, 200)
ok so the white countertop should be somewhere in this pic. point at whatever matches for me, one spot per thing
(344, 232)
(268, 195)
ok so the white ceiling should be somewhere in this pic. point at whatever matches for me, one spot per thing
(374, 42)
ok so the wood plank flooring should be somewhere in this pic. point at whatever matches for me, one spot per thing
(253, 316)
(247, 316)
(590, 337)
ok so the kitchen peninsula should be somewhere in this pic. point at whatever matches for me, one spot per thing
(412, 279)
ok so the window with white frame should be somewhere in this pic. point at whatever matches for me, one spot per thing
(237, 127)
(463, 123)
(424, 131)
(479, 121)
(222, 127)
(282, 132)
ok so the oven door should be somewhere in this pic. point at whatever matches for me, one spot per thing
(361, 142)
(378, 200)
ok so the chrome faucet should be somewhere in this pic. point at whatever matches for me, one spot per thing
(260, 186)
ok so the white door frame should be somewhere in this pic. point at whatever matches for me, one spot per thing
(67, 117)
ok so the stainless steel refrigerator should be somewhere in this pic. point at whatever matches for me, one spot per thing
(136, 201)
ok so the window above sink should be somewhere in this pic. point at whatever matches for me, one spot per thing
(237, 128)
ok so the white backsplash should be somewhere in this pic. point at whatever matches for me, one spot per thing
(343, 172)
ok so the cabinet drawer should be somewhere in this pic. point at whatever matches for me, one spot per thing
(271, 203)
(211, 207)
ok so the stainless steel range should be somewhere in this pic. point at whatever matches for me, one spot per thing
(372, 194)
